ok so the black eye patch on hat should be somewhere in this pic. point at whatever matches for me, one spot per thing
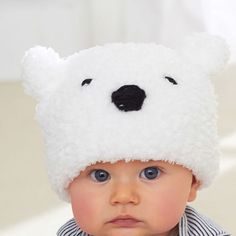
(171, 80)
(86, 81)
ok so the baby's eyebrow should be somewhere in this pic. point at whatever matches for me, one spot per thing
(97, 166)
(157, 164)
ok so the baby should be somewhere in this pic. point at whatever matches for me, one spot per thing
(134, 198)
(131, 136)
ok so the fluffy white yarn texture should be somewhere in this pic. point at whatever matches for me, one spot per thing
(82, 125)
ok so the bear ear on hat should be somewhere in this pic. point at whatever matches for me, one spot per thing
(41, 73)
(210, 53)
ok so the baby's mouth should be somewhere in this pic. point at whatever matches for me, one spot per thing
(124, 221)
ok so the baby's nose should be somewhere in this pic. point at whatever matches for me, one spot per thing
(128, 98)
(124, 194)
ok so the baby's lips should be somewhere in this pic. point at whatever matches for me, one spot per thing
(124, 218)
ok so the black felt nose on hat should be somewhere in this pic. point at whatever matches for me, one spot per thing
(128, 98)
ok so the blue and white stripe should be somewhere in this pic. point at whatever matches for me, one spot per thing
(194, 224)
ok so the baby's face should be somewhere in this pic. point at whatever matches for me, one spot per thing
(149, 198)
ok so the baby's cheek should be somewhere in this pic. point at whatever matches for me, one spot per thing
(83, 209)
(167, 211)
(87, 205)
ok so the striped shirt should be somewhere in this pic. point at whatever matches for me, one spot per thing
(191, 224)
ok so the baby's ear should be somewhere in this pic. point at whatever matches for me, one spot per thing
(41, 71)
(196, 185)
(209, 53)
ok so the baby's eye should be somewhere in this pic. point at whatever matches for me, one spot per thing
(100, 175)
(150, 173)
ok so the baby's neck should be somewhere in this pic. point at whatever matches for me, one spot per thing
(174, 231)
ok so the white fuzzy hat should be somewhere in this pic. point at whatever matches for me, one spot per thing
(127, 101)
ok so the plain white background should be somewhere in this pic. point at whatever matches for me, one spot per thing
(71, 25)
(27, 204)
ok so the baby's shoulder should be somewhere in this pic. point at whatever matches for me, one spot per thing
(71, 228)
(195, 224)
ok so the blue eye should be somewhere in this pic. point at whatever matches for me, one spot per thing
(150, 173)
(100, 175)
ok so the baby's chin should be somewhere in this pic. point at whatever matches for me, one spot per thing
(142, 230)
